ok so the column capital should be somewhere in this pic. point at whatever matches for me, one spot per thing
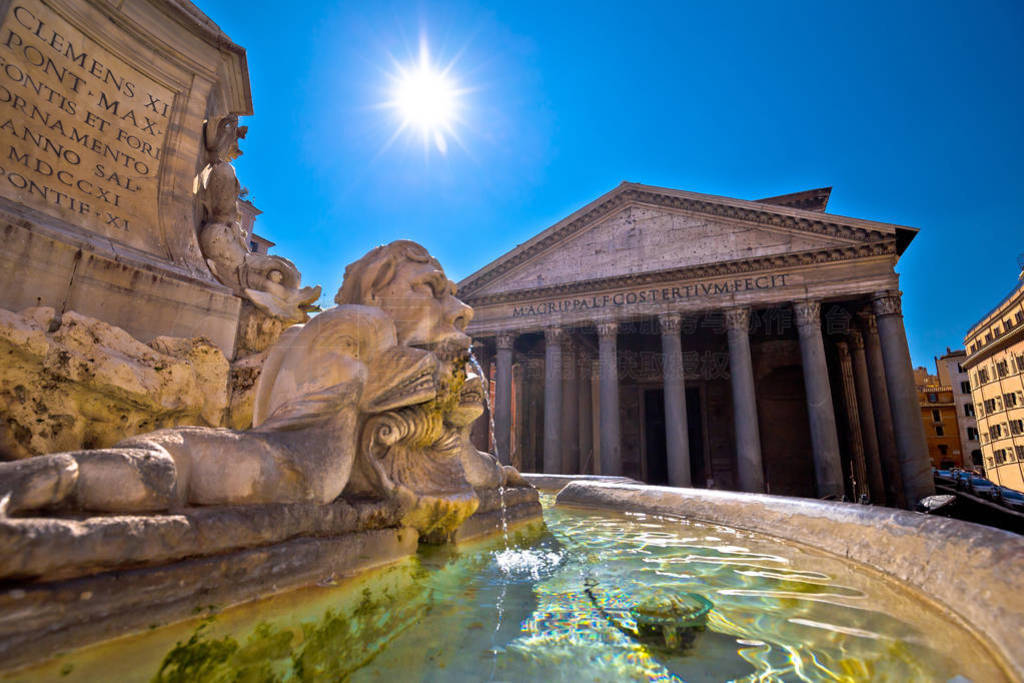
(887, 303)
(554, 335)
(856, 340)
(506, 340)
(844, 350)
(868, 321)
(807, 313)
(607, 329)
(737, 319)
(670, 323)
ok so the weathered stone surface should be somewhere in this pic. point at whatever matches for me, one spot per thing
(500, 510)
(89, 545)
(970, 569)
(257, 331)
(39, 619)
(245, 374)
(71, 381)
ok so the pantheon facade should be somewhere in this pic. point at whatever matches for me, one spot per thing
(694, 340)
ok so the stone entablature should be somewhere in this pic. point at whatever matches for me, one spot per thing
(631, 298)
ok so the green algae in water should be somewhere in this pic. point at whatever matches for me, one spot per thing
(522, 612)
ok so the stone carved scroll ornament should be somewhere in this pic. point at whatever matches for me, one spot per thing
(271, 283)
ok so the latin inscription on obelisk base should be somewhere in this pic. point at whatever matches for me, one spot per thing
(83, 133)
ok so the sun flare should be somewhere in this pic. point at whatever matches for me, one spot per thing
(426, 99)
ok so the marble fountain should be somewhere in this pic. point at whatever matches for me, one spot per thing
(355, 531)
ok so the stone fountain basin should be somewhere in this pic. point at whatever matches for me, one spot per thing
(973, 573)
(120, 574)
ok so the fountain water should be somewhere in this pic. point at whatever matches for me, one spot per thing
(492, 442)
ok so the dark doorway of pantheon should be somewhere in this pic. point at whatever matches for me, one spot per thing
(655, 449)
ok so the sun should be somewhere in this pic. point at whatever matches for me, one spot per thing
(427, 100)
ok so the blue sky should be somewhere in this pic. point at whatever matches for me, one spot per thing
(911, 111)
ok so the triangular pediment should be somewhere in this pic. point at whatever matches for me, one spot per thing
(637, 229)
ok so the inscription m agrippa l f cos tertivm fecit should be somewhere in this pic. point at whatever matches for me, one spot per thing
(651, 295)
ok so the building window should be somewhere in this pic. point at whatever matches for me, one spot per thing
(976, 457)
(968, 410)
(1020, 452)
(1019, 317)
(1001, 369)
(982, 375)
(936, 416)
(1017, 427)
(1019, 360)
(1000, 455)
(972, 434)
(253, 247)
(932, 398)
(939, 431)
(1010, 400)
(960, 368)
(943, 449)
(965, 387)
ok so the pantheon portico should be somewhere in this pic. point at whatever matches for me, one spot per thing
(695, 340)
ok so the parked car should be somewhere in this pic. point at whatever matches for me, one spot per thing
(1010, 498)
(972, 483)
(944, 476)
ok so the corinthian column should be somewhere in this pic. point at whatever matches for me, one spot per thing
(676, 435)
(915, 465)
(887, 449)
(744, 401)
(503, 399)
(866, 411)
(860, 469)
(611, 449)
(828, 468)
(570, 412)
(553, 338)
(585, 411)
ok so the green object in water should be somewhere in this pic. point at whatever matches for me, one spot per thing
(672, 618)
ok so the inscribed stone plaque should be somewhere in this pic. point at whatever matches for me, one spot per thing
(82, 132)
